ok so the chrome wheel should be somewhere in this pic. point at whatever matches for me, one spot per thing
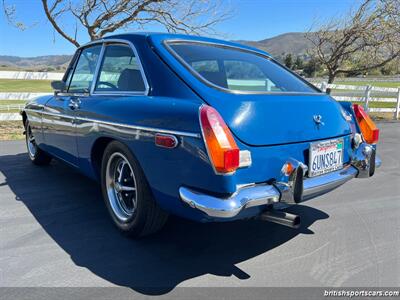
(121, 186)
(30, 142)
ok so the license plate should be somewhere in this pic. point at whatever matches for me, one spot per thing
(325, 157)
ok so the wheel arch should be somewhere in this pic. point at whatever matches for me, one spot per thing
(97, 151)
(24, 117)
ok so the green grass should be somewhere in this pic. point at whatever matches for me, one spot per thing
(11, 111)
(19, 85)
(11, 102)
(388, 84)
(378, 104)
(11, 130)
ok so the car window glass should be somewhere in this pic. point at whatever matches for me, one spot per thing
(205, 66)
(237, 69)
(84, 71)
(120, 71)
(243, 75)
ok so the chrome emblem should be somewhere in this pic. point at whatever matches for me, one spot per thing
(318, 120)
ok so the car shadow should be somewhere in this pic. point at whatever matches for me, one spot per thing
(69, 207)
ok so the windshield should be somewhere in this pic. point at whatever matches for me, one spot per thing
(236, 69)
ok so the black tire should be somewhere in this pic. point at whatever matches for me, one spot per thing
(146, 217)
(35, 154)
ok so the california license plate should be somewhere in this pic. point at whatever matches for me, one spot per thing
(325, 157)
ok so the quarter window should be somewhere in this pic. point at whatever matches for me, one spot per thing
(120, 71)
(84, 71)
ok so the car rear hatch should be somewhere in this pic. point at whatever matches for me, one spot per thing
(260, 119)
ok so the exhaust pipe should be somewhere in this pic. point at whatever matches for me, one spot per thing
(281, 217)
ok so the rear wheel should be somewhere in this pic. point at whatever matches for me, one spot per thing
(36, 155)
(127, 194)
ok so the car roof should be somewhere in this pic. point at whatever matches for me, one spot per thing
(175, 36)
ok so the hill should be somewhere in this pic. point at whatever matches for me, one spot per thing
(292, 42)
(38, 63)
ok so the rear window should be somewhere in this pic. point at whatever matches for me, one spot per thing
(235, 69)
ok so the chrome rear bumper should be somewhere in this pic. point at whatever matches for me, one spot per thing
(362, 165)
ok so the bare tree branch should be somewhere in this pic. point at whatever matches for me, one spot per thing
(52, 15)
(366, 39)
(101, 17)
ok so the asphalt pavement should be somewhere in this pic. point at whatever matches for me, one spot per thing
(55, 232)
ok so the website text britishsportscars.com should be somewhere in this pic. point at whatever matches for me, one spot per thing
(361, 293)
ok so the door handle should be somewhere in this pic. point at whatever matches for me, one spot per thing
(74, 104)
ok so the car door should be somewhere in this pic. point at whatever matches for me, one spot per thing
(119, 83)
(59, 125)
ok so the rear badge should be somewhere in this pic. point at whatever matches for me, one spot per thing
(318, 120)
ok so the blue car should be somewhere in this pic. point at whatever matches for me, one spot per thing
(201, 128)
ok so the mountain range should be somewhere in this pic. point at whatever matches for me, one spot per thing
(292, 42)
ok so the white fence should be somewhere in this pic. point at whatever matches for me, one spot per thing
(10, 117)
(366, 95)
(30, 75)
(20, 96)
(9, 107)
(341, 92)
(5, 115)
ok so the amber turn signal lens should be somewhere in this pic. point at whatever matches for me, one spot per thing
(287, 169)
(368, 128)
(221, 146)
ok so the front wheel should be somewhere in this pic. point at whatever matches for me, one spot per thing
(36, 155)
(127, 194)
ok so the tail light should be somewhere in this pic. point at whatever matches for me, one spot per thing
(368, 128)
(221, 147)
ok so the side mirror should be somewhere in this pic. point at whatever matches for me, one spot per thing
(58, 86)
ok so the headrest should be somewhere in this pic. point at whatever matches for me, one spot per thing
(131, 80)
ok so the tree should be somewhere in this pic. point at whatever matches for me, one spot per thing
(101, 17)
(312, 67)
(367, 38)
(288, 61)
(298, 64)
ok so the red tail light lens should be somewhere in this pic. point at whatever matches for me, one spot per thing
(368, 128)
(165, 140)
(221, 147)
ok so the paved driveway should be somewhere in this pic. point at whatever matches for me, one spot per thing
(55, 231)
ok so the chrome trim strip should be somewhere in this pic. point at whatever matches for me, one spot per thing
(117, 93)
(96, 71)
(216, 44)
(135, 127)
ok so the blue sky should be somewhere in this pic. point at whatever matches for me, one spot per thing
(252, 20)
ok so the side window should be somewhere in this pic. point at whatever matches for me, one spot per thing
(84, 71)
(120, 71)
(70, 70)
